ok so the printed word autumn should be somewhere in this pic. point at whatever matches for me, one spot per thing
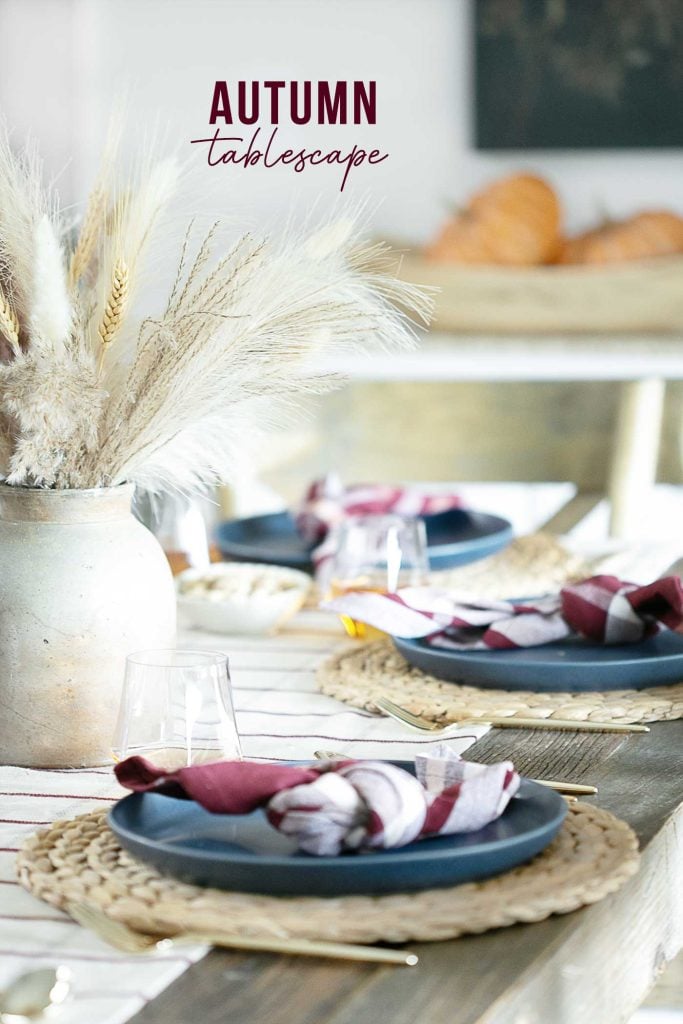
(295, 104)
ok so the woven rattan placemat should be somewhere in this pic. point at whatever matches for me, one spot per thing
(80, 859)
(534, 564)
(360, 674)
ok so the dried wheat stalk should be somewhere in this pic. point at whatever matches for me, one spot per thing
(114, 309)
(82, 264)
(95, 216)
(9, 325)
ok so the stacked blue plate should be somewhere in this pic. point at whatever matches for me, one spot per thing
(454, 538)
(245, 853)
(567, 666)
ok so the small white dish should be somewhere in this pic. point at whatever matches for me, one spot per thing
(240, 597)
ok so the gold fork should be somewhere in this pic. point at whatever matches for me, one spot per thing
(119, 935)
(566, 788)
(563, 724)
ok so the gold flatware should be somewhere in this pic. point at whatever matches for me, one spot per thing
(558, 724)
(569, 789)
(561, 724)
(119, 935)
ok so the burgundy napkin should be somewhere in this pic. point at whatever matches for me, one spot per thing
(343, 805)
(603, 609)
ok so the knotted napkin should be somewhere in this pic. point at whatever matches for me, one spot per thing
(328, 503)
(343, 805)
(602, 609)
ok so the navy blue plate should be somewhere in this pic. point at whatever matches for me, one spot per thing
(453, 538)
(244, 852)
(567, 666)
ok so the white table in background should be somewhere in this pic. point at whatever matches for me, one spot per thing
(639, 365)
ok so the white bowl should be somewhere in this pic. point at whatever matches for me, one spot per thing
(256, 606)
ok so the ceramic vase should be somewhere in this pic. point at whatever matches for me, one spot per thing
(82, 584)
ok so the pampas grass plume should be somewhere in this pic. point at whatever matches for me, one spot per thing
(50, 310)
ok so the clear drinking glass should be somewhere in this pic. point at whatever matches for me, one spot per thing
(381, 554)
(176, 709)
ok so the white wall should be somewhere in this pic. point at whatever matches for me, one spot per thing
(62, 62)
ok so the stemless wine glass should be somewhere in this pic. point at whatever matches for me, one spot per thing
(176, 708)
(381, 554)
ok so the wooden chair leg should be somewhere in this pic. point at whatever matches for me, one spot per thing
(636, 451)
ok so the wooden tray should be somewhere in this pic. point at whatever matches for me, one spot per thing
(630, 298)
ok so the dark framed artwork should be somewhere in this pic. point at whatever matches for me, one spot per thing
(574, 74)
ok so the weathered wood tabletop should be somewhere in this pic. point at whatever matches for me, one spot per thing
(590, 967)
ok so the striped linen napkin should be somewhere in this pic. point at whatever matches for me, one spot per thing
(343, 805)
(602, 609)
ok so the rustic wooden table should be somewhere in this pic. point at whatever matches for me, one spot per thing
(590, 967)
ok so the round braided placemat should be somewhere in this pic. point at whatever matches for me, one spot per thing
(534, 564)
(80, 859)
(360, 674)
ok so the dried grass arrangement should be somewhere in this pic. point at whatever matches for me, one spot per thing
(93, 394)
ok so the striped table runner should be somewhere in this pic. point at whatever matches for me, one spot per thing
(108, 987)
(280, 716)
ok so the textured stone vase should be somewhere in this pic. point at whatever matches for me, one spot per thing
(82, 584)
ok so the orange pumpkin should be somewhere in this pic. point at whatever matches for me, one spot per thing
(514, 222)
(656, 233)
